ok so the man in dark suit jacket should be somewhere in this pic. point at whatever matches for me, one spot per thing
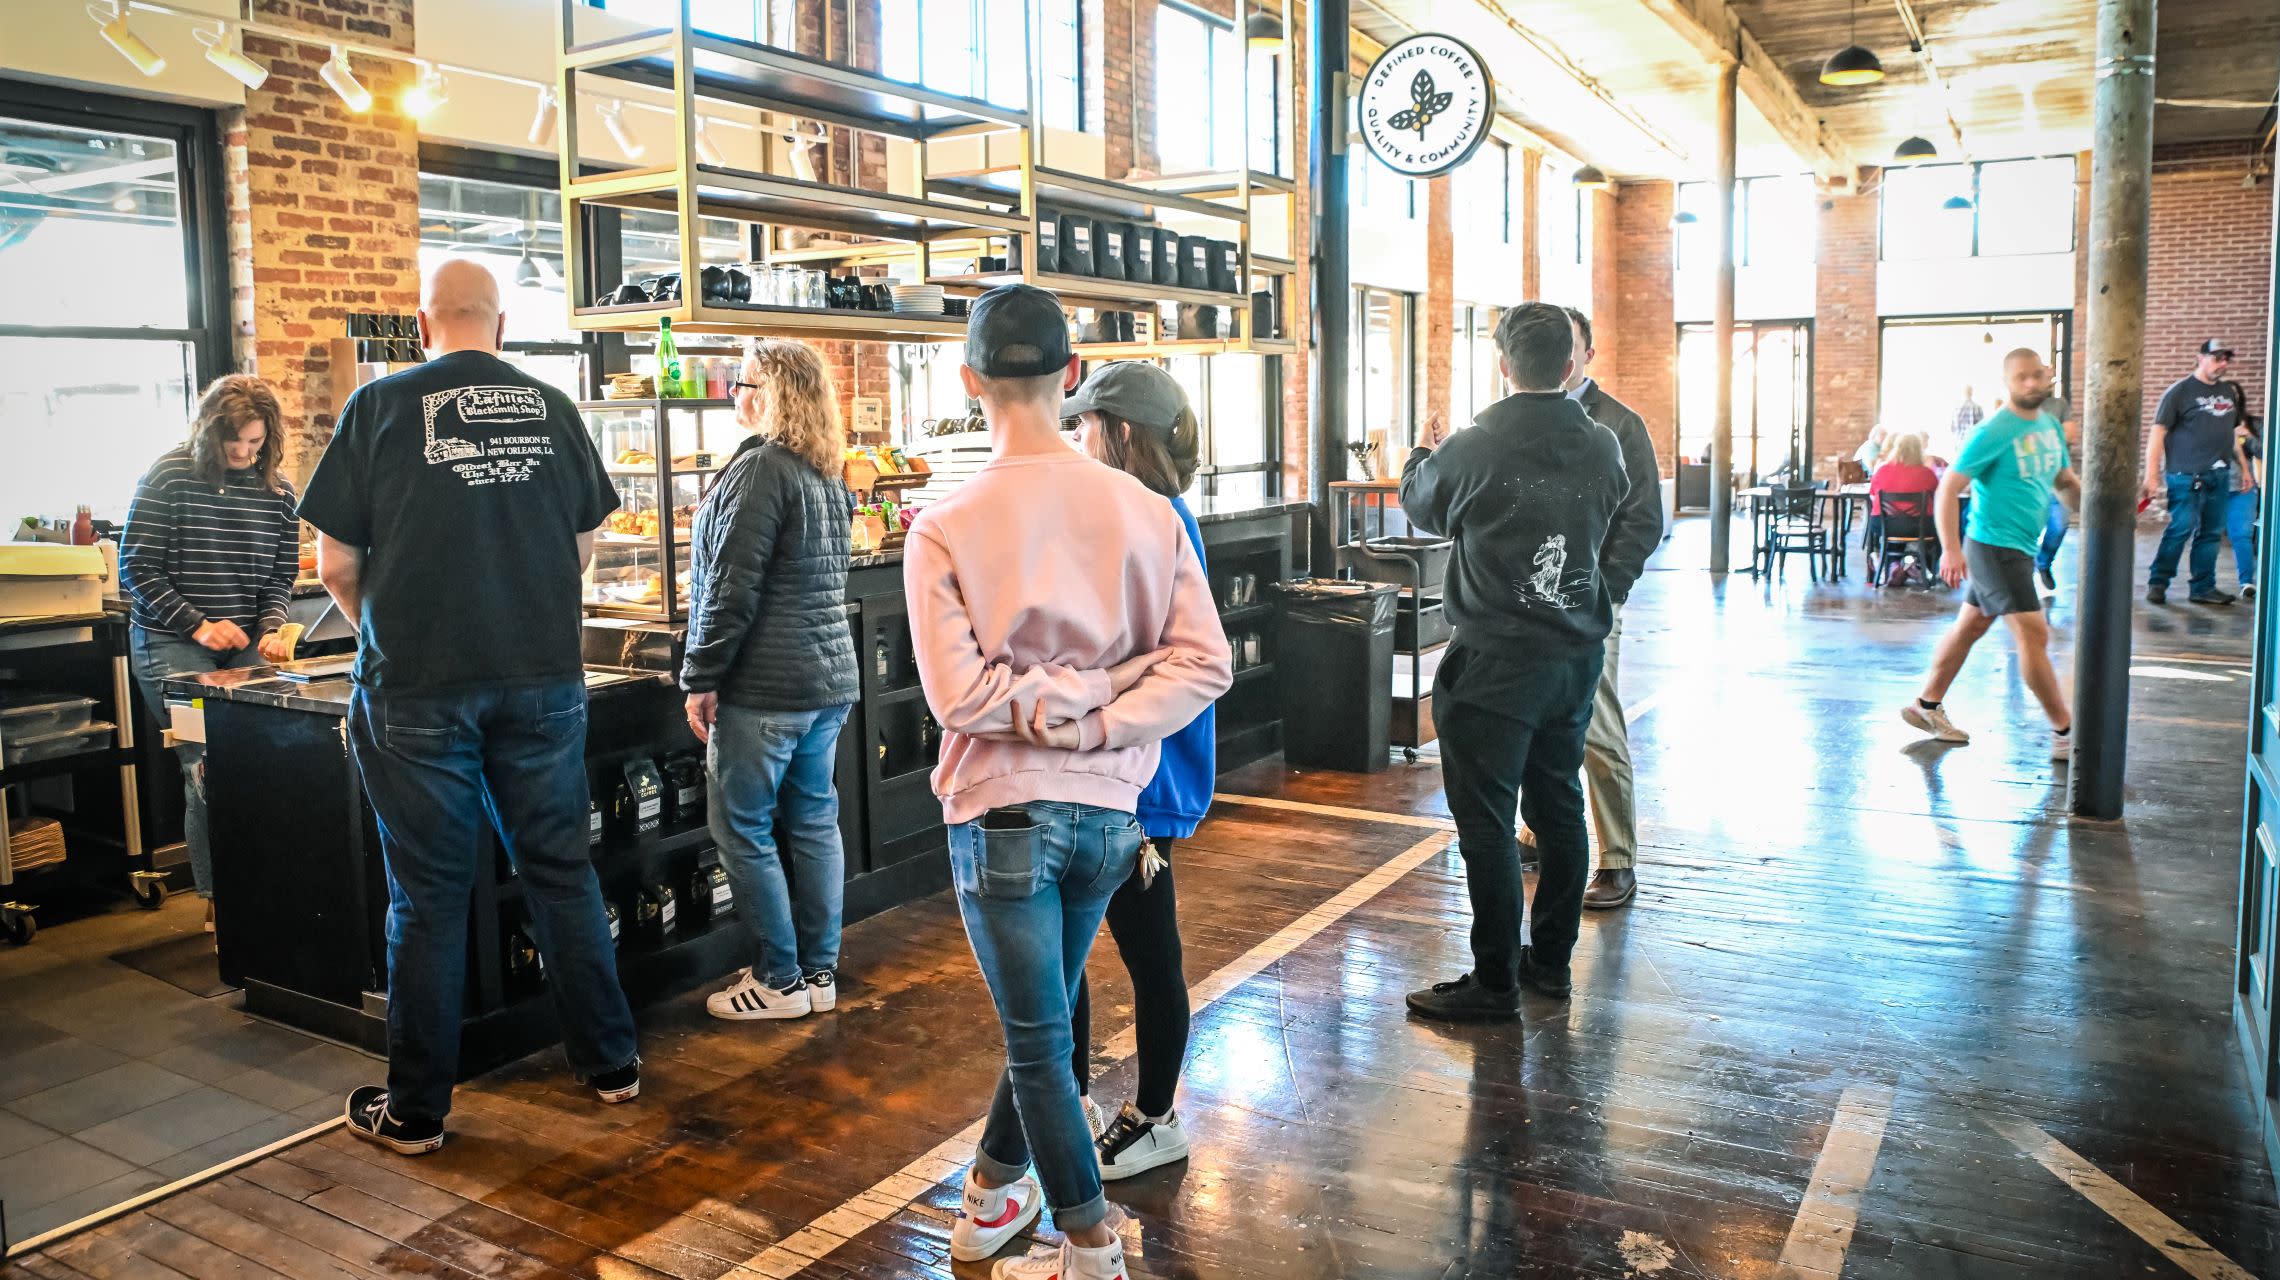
(1633, 536)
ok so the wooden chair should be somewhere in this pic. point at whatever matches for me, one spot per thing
(1799, 524)
(1904, 530)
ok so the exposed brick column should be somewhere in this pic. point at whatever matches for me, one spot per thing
(1607, 305)
(1845, 388)
(324, 205)
(1298, 390)
(1437, 331)
(1531, 225)
(1644, 374)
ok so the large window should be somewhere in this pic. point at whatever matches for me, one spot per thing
(975, 49)
(1476, 380)
(1485, 190)
(1776, 222)
(1563, 236)
(116, 308)
(1990, 209)
(1199, 91)
(737, 19)
(1383, 193)
(1241, 424)
(1381, 383)
(1931, 365)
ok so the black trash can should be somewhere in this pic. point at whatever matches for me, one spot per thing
(1334, 655)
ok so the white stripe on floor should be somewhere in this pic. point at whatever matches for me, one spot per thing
(2190, 1252)
(1632, 713)
(948, 1160)
(1823, 1230)
(1337, 811)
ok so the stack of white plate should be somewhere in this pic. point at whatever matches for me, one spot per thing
(918, 299)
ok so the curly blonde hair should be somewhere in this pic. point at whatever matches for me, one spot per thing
(803, 407)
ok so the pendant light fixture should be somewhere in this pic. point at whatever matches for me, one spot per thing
(236, 65)
(1591, 178)
(527, 273)
(1915, 151)
(112, 25)
(337, 76)
(1263, 31)
(1956, 204)
(542, 122)
(1686, 218)
(1854, 64)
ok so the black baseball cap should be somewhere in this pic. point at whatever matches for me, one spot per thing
(1017, 331)
(2215, 348)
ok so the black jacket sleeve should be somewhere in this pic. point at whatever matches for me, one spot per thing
(733, 570)
(1637, 527)
(1426, 494)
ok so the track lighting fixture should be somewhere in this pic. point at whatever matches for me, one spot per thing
(341, 80)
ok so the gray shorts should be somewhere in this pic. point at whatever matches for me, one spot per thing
(2002, 580)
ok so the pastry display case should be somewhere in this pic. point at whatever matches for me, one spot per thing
(662, 456)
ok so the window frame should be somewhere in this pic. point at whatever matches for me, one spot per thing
(1270, 425)
(199, 187)
(1979, 207)
(1214, 26)
(1744, 216)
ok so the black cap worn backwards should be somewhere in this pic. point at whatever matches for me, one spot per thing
(1017, 331)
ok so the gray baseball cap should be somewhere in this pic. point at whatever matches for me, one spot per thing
(1133, 390)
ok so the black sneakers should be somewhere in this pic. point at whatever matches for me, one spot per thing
(2212, 597)
(1543, 979)
(368, 1118)
(1465, 1000)
(621, 1085)
(2157, 595)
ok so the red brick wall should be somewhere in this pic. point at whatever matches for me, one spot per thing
(1844, 329)
(1644, 374)
(1607, 306)
(2211, 269)
(324, 206)
(1531, 224)
(1437, 327)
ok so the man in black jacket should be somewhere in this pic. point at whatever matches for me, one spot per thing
(1530, 495)
(1637, 531)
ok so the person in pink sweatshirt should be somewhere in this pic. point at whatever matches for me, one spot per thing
(1063, 627)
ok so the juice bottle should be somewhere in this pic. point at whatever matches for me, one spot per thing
(668, 361)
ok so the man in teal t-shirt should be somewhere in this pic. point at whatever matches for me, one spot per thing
(2014, 462)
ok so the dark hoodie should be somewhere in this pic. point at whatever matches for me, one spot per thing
(1529, 494)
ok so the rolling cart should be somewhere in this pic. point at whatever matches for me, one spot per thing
(67, 717)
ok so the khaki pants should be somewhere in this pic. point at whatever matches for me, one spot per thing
(1607, 767)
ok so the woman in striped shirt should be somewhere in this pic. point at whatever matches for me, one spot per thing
(211, 549)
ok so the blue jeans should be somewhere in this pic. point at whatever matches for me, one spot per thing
(2054, 536)
(2197, 505)
(2240, 526)
(756, 761)
(437, 767)
(1033, 884)
(153, 656)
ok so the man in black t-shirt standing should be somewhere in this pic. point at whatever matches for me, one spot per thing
(2192, 462)
(456, 508)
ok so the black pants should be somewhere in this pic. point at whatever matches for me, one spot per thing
(1146, 926)
(1512, 730)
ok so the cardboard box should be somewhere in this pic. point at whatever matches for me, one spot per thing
(39, 580)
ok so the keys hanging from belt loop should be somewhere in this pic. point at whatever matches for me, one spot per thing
(1151, 862)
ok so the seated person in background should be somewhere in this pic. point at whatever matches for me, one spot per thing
(1905, 471)
(1873, 449)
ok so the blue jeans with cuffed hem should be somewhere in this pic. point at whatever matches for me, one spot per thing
(2240, 527)
(153, 656)
(770, 783)
(437, 768)
(2197, 504)
(1033, 883)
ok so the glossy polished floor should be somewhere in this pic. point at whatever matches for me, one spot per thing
(1875, 999)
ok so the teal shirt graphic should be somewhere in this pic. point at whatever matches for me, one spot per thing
(2013, 463)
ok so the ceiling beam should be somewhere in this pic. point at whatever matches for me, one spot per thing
(1712, 27)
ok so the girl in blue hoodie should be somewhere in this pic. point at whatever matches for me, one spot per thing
(1135, 418)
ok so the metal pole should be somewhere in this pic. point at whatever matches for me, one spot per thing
(1722, 328)
(2121, 177)
(1333, 265)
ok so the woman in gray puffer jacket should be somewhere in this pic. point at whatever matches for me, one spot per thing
(770, 674)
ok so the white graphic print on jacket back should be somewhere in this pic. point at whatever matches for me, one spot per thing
(1552, 583)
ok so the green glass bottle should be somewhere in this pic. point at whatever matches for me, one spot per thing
(668, 361)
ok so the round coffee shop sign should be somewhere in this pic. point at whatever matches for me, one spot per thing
(1424, 105)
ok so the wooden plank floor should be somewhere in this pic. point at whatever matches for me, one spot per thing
(1830, 912)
